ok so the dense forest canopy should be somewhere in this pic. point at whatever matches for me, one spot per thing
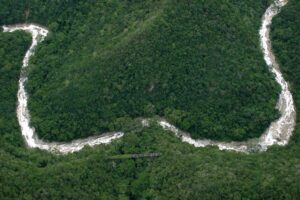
(104, 63)
(12, 50)
(181, 172)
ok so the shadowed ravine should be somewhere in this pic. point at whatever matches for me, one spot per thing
(279, 132)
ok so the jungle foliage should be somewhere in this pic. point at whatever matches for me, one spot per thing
(196, 63)
(181, 172)
(12, 49)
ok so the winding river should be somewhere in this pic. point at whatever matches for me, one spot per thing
(279, 132)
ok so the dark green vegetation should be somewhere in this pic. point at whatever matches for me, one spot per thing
(198, 64)
(12, 50)
(181, 172)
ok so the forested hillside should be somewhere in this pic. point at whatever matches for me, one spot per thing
(181, 172)
(198, 64)
(12, 50)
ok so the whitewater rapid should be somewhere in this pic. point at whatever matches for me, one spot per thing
(38, 35)
(278, 133)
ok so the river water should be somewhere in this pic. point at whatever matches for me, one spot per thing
(279, 132)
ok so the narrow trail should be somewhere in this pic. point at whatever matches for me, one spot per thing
(279, 132)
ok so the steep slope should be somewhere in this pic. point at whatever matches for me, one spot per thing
(198, 64)
(198, 173)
